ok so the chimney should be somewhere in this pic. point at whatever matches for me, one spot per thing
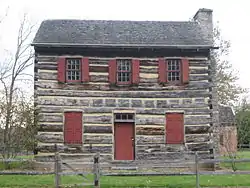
(205, 18)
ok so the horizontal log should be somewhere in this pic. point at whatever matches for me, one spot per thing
(51, 118)
(141, 120)
(63, 101)
(46, 62)
(197, 77)
(72, 86)
(199, 71)
(199, 129)
(50, 137)
(46, 75)
(149, 62)
(149, 120)
(122, 94)
(46, 58)
(152, 148)
(197, 138)
(98, 129)
(150, 111)
(199, 146)
(107, 87)
(145, 139)
(198, 63)
(151, 70)
(197, 120)
(75, 149)
(44, 126)
(160, 156)
(191, 86)
(98, 69)
(46, 66)
(98, 139)
(148, 80)
(98, 61)
(98, 78)
(98, 119)
(150, 130)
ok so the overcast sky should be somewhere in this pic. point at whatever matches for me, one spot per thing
(233, 17)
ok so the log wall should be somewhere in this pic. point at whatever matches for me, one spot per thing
(97, 100)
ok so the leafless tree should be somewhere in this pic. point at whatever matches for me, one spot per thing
(12, 75)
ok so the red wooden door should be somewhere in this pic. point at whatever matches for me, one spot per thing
(73, 128)
(124, 141)
(174, 128)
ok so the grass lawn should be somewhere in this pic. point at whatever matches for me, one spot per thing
(139, 181)
(241, 165)
(47, 181)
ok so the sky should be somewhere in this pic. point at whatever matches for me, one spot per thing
(233, 17)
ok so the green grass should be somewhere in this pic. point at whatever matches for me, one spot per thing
(22, 181)
(20, 165)
(241, 165)
(47, 181)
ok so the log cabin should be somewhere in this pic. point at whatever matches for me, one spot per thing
(130, 90)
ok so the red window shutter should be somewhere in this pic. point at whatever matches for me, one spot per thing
(85, 69)
(174, 128)
(73, 128)
(135, 71)
(61, 65)
(112, 71)
(162, 70)
(185, 70)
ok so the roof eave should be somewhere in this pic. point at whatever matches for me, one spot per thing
(124, 45)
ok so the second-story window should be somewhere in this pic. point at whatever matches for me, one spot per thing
(73, 70)
(173, 70)
(124, 71)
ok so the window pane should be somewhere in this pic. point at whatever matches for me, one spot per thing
(130, 116)
(69, 66)
(123, 70)
(174, 70)
(77, 75)
(118, 116)
(78, 66)
(73, 67)
(69, 75)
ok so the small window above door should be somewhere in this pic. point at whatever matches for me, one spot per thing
(124, 117)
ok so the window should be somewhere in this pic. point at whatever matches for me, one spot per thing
(124, 71)
(122, 117)
(73, 70)
(173, 70)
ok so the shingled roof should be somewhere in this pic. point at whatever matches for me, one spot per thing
(120, 33)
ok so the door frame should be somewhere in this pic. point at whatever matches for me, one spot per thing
(71, 110)
(113, 130)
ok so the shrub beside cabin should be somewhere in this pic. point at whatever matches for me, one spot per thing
(131, 90)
